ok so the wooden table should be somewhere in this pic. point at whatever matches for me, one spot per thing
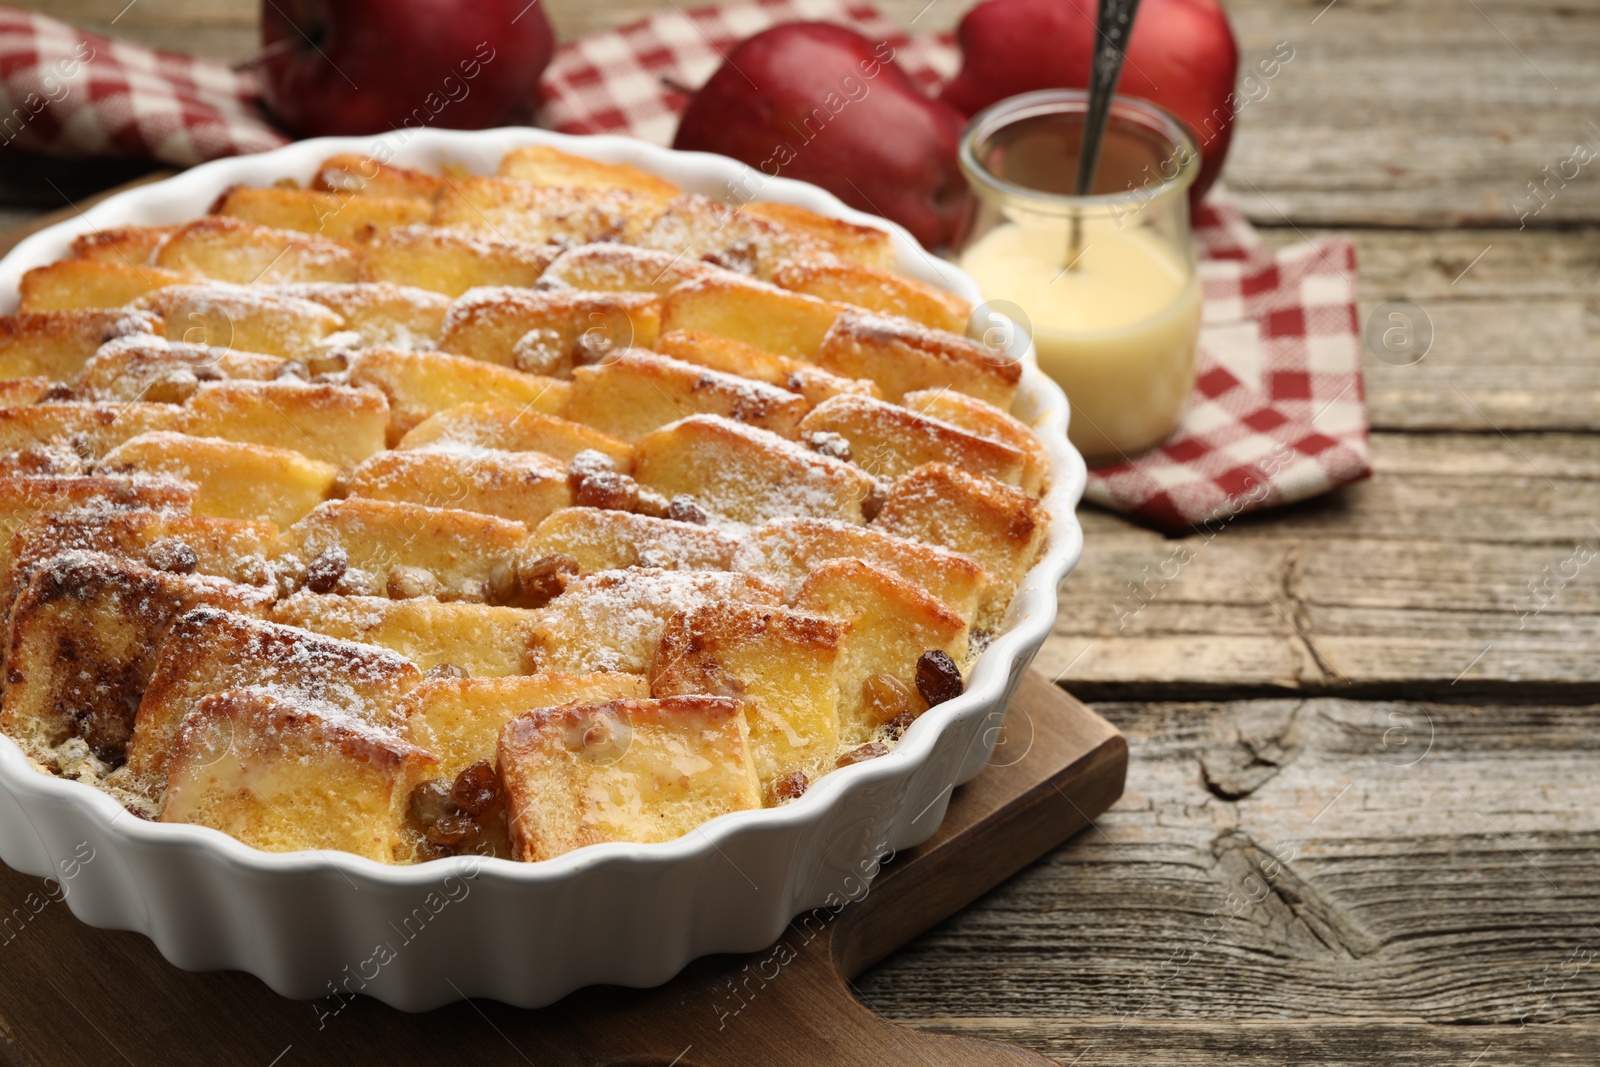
(1385, 699)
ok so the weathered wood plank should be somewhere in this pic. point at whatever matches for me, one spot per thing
(1102, 1043)
(1486, 97)
(1378, 861)
(1467, 565)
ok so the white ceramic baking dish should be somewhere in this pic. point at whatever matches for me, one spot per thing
(327, 925)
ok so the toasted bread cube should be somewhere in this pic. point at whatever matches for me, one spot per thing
(547, 332)
(351, 172)
(1000, 527)
(612, 267)
(135, 245)
(612, 620)
(71, 284)
(229, 250)
(85, 634)
(699, 228)
(875, 289)
(45, 460)
(514, 429)
(244, 319)
(627, 770)
(234, 549)
(459, 719)
(92, 429)
(748, 475)
(542, 165)
(57, 344)
(779, 662)
(516, 211)
(232, 480)
(419, 384)
(332, 423)
(612, 540)
(904, 357)
(483, 640)
(458, 548)
(725, 354)
(889, 440)
(337, 216)
(633, 393)
(378, 313)
(867, 245)
(283, 776)
(448, 262)
(209, 651)
(764, 316)
(24, 496)
(20, 392)
(161, 371)
(892, 623)
(521, 486)
(985, 420)
(784, 552)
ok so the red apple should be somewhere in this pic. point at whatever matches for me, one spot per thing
(366, 66)
(824, 104)
(1182, 56)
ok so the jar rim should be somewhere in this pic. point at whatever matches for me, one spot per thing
(1132, 111)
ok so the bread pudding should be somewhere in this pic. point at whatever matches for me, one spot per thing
(414, 515)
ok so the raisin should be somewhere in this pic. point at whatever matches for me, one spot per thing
(409, 583)
(445, 670)
(324, 572)
(503, 582)
(896, 727)
(172, 555)
(57, 393)
(825, 443)
(607, 490)
(682, 508)
(938, 677)
(453, 831)
(477, 789)
(790, 786)
(862, 753)
(886, 696)
(543, 579)
(431, 801)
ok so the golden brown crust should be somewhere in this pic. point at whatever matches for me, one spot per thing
(555, 438)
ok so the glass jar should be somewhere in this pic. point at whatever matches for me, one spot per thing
(1108, 280)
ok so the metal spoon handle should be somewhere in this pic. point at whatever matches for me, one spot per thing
(1113, 26)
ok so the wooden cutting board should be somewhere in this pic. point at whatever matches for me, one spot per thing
(71, 994)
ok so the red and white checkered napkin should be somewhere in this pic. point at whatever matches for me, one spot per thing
(1278, 412)
(70, 93)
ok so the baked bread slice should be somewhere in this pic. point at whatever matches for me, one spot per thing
(625, 770)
